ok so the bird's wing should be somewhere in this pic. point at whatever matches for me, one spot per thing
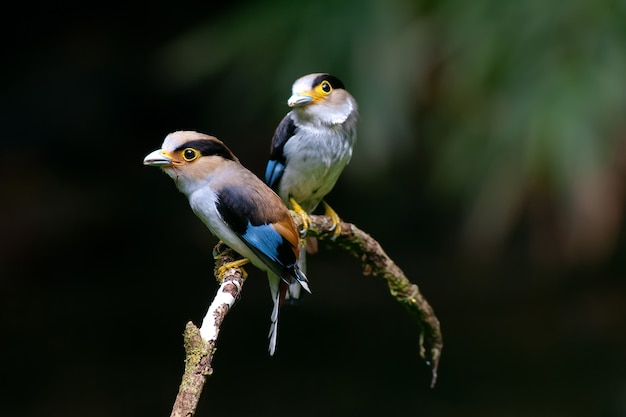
(276, 164)
(265, 232)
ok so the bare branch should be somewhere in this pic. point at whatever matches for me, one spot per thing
(376, 262)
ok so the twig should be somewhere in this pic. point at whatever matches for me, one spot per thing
(199, 351)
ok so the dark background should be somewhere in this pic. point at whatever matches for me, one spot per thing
(490, 166)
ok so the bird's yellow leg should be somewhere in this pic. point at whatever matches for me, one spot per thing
(306, 221)
(234, 264)
(336, 227)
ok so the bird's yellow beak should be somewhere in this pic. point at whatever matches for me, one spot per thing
(300, 99)
(158, 158)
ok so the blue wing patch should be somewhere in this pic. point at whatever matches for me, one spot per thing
(266, 242)
(265, 238)
(239, 208)
(276, 165)
(273, 173)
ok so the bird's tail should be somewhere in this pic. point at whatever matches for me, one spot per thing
(293, 291)
(275, 283)
(278, 289)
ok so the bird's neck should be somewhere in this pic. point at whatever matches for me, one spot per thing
(322, 116)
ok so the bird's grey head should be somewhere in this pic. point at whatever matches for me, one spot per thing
(321, 98)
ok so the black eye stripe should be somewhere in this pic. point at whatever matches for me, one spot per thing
(208, 147)
(332, 80)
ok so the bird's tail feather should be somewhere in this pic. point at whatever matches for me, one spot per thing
(275, 291)
(293, 292)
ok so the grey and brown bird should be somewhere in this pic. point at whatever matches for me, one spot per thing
(237, 207)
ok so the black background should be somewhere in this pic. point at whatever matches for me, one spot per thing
(102, 262)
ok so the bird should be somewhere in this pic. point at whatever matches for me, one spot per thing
(310, 148)
(237, 207)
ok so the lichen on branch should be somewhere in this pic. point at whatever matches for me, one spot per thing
(376, 262)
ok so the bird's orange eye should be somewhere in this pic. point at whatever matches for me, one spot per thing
(189, 154)
(326, 87)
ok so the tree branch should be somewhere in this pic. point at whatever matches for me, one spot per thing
(200, 343)
(376, 262)
(199, 351)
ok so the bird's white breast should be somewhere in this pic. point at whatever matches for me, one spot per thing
(203, 202)
(315, 158)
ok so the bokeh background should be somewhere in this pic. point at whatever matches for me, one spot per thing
(490, 165)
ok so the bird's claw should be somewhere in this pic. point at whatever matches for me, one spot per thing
(334, 217)
(306, 224)
(221, 271)
(306, 220)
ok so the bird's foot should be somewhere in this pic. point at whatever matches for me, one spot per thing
(234, 264)
(306, 221)
(334, 217)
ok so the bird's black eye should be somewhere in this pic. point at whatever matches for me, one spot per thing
(190, 154)
(326, 87)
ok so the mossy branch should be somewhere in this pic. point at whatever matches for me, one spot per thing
(376, 262)
(199, 352)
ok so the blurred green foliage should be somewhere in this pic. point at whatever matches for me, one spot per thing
(519, 105)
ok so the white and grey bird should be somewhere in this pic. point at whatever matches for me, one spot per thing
(311, 147)
(237, 207)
